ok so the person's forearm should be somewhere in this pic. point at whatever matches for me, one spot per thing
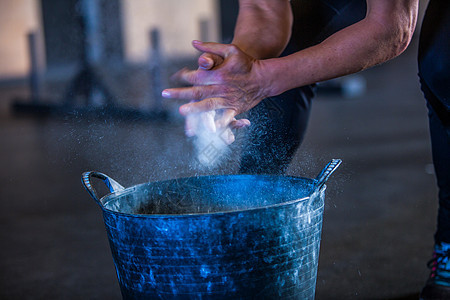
(374, 40)
(263, 27)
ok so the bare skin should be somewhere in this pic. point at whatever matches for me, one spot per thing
(263, 30)
(234, 78)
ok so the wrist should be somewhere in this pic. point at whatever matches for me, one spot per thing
(267, 78)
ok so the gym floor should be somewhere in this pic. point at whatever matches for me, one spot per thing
(380, 207)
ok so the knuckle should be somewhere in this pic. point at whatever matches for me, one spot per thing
(196, 93)
(188, 76)
(225, 90)
(209, 105)
(233, 49)
(217, 58)
(192, 78)
(218, 78)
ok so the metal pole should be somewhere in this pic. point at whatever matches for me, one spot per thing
(90, 10)
(34, 75)
(155, 69)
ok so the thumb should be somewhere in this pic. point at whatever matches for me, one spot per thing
(208, 61)
(204, 105)
(205, 62)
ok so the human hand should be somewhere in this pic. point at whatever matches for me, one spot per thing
(205, 121)
(233, 87)
(203, 125)
(207, 61)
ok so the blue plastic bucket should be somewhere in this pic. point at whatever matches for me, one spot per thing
(215, 237)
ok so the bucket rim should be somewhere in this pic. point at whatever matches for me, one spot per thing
(130, 189)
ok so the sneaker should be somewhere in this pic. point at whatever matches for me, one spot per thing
(438, 284)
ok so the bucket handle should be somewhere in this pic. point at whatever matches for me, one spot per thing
(326, 172)
(112, 185)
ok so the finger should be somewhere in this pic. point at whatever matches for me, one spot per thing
(205, 62)
(226, 118)
(228, 136)
(185, 76)
(208, 61)
(202, 106)
(192, 92)
(241, 123)
(190, 125)
(207, 120)
(222, 50)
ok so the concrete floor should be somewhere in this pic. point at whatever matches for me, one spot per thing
(380, 205)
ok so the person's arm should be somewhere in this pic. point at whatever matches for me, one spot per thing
(242, 81)
(263, 27)
(262, 30)
(383, 34)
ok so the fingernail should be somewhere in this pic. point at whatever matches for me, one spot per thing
(196, 42)
(203, 63)
(165, 94)
(242, 124)
(184, 110)
(206, 63)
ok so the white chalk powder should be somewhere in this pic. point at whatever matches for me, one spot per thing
(211, 143)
